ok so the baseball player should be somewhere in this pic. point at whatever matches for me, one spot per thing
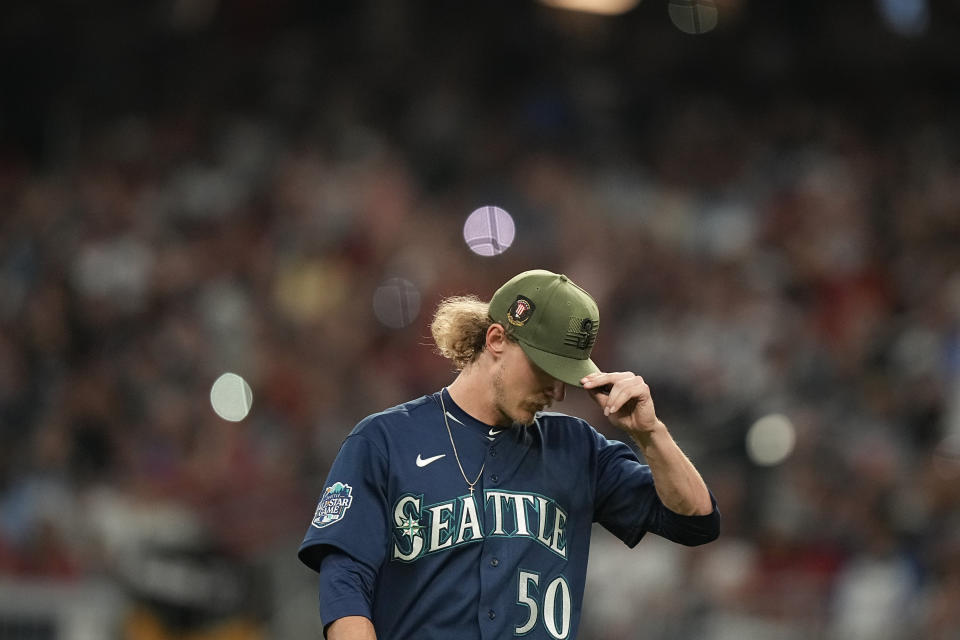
(467, 513)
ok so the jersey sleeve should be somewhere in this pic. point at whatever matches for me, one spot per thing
(624, 495)
(627, 504)
(351, 515)
(687, 530)
(346, 588)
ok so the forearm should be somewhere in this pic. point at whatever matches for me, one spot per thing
(351, 628)
(677, 481)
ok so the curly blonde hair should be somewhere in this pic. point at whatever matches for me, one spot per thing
(459, 328)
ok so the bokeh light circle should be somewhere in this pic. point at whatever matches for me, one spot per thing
(946, 458)
(489, 231)
(770, 440)
(396, 303)
(231, 397)
(693, 16)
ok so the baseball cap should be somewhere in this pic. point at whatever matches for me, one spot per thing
(553, 319)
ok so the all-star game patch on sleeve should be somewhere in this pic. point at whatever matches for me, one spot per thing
(333, 505)
(349, 513)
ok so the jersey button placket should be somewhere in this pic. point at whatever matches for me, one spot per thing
(491, 576)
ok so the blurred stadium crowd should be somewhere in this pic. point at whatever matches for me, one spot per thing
(768, 215)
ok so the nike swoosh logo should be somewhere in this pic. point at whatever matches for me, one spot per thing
(421, 462)
(494, 432)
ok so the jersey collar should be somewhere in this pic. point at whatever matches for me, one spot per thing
(459, 417)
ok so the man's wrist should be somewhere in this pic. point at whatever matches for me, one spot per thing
(646, 438)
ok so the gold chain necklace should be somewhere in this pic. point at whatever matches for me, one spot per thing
(455, 454)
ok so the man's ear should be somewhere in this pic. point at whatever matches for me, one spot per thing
(496, 339)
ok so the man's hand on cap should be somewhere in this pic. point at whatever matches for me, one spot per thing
(625, 399)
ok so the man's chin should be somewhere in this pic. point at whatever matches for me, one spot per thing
(524, 416)
(527, 418)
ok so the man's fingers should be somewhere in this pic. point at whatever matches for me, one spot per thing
(597, 388)
(589, 381)
(600, 379)
(625, 391)
(604, 389)
(619, 395)
(613, 391)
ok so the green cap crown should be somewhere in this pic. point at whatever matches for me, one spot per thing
(553, 319)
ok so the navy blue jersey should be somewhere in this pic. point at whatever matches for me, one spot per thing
(509, 559)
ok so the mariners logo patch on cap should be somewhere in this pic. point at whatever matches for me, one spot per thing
(334, 502)
(520, 311)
